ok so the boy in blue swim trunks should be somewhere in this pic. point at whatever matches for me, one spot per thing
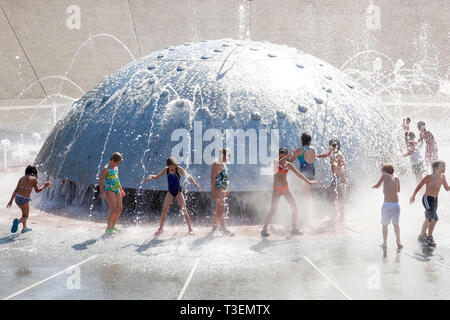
(21, 196)
(433, 183)
(112, 191)
(173, 173)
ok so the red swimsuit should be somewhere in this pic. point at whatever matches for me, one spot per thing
(282, 189)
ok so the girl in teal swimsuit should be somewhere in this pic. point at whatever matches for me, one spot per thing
(306, 167)
(306, 155)
(219, 188)
(112, 191)
(222, 178)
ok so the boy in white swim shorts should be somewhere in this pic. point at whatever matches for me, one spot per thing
(390, 211)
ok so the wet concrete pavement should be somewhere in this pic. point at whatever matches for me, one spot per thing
(327, 262)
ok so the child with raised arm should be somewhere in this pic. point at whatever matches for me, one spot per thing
(173, 173)
(339, 175)
(406, 128)
(406, 124)
(390, 209)
(21, 196)
(416, 158)
(113, 192)
(281, 188)
(433, 183)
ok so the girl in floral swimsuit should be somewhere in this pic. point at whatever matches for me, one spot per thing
(112, 191)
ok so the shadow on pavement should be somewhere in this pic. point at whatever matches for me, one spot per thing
(150, 244)
(84, 245)
(266, 243)
(9, 239)
(198, 243)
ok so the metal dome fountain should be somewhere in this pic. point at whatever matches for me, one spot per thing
(221, 84)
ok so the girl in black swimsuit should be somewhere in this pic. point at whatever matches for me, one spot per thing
(173, 173)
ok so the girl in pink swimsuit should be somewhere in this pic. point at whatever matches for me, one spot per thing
(281, 188)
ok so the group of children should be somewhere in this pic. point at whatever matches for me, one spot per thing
(306, 155)
(391, 209)
(112, 191)
(433, 182)
(413, 148)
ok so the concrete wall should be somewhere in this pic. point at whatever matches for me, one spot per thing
(35, 41)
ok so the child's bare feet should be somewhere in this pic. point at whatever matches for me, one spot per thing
(399, 245)
(383, 245)
(227, 232)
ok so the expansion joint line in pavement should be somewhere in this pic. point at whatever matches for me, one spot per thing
(188, 280)
(328, 279)
(51, 277)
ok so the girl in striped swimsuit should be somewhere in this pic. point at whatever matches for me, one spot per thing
(21, 196)
(431, 148)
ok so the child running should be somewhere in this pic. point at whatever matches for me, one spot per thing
(433, 183)
(113, 192)
(220, 189)
(431, 149)
(173, 173)
(281, 188)
(21, 196)
(339, 176)
(391, 208)
(416, 158)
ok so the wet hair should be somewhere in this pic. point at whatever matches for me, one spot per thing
(116, 157)
(408, 119)
(387, 168)
(171, 161)
(225, 152)
(411, 135)
(306, 139)
(437, 164)
(421, 124)
(335, 144)
(31, 171)
(283, 151)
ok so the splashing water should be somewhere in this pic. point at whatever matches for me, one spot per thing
(141, 104)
